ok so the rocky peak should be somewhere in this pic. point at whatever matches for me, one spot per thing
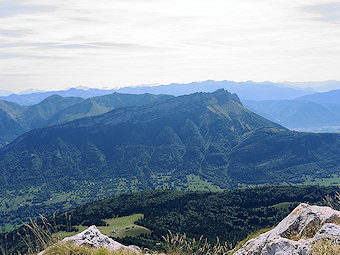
(93, 238)
(297, 233)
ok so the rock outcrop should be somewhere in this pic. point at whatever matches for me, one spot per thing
(93, 238)
(297, 233)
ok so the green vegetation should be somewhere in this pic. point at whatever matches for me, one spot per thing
(229, 215)
(333, 180)
(195, 182)
(116, 227)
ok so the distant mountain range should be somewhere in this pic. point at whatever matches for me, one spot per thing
(329, 97)
(245, 90)
(37, 97)
(320, 86)
(206, 141)
(319, 112)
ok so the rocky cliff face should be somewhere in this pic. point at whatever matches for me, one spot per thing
(297, 233)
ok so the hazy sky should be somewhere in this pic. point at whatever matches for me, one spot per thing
(54, 44)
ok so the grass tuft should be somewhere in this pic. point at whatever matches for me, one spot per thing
(71, 249)
(181, 245)
(326, 247)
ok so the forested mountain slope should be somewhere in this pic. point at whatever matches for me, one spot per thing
(98, 105)
(205, 141)
(185, 135)
(17, 119)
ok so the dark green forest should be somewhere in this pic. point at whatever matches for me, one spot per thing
(230, 215)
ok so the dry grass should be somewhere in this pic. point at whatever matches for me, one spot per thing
(326, 247)
(38, 237)
(180, 245)
(70, 249)
(333, 202)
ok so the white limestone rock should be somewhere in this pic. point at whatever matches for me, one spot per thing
(296, 233)
(93, 238)
(328, 231)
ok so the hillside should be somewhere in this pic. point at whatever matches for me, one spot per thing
(98, 105)
(55, 109)
(329, 97)
(230, 215)
(17, 119)
(181, 143)
(134, 142)
(11, 125)
(37, 115)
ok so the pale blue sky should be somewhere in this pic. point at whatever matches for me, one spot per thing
(54, 44)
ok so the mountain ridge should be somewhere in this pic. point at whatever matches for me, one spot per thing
(246, 90)
(205, 141)
(329, 97)
(55, 109)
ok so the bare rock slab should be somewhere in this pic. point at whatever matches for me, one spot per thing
(296, 233)
(93, 238)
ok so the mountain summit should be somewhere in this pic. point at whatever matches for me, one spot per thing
(183, 135)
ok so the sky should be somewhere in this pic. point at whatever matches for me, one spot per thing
(59, 44)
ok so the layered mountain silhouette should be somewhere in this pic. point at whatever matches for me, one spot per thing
(329, 97)
(246, 90)
(55, 109)
(318, 112)
(299, 114)
(164, 144)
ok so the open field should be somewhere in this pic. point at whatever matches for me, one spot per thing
(115, 227)
(331, 181)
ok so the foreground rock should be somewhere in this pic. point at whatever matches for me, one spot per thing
(297, 233)
(93, 238)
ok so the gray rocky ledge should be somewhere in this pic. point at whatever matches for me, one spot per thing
(296, 233)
